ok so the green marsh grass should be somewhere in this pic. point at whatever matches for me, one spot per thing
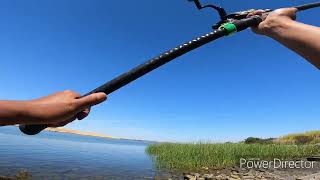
(196, 156)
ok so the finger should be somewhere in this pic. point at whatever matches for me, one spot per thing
(73, 94)
(259, 12)
(256, 12)
(90, 100)
(264, 16)
(83, 114)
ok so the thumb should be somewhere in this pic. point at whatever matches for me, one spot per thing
(287, 12)
(293, 13)
(91, 100)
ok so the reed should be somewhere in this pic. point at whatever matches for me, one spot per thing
(177, 156)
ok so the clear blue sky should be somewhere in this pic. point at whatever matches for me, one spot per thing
(240, 86)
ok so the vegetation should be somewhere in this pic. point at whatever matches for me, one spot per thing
(253, 140)
(311, 137)
(197, 156)
(21, 175)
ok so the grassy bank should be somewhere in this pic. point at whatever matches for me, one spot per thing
(196, 156)
(310, 137)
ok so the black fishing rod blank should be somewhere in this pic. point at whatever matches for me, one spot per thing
(229, 24)
(308, 6)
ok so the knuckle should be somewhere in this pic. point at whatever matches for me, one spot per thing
(271, 21)
(68, 91)
(71, 106)
(71, 93)
(278, 12)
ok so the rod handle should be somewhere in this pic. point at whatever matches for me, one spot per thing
(32, 129)
(248, 22)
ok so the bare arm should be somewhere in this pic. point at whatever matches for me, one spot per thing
(54, 110)
(301, 38)
(12, 112)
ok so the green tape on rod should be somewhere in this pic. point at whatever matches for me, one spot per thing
(229, 27)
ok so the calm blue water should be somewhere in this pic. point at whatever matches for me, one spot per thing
(64, 156)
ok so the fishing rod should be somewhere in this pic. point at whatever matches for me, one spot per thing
(228, 24)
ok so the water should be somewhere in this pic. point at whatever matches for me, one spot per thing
(65, 156)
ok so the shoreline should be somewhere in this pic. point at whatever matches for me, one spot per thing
(236, 173)
(88, 134)
(77, 132)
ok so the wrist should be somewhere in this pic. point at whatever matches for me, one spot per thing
(25, 112)
(29, 113)
(14, 112)
(22, 110)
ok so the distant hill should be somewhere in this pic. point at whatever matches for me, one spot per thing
(70, 131)
(90, 134)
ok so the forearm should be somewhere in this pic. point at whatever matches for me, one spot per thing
(13, 112)
(301, 38)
